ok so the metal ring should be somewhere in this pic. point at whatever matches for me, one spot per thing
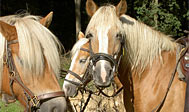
(35, 101)
(12, 74)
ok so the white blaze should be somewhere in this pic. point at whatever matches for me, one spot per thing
(72, 65)
(103, 47)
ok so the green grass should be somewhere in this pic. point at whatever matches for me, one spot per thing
(12, 107)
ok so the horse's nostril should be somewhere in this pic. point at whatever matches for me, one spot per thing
(110, 72)
(68, 89)
(54, 109)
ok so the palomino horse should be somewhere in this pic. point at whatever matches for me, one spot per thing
(79, 64)
(148, 59)
(30, 63)
(78, 68)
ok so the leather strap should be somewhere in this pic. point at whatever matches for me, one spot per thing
(12, 42)
(159, 107)
(86, 50)
(51, 95)
(33, 101)
(75, 75)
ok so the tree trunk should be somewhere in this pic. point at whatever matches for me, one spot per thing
(78, 17)
(156, 16)
(0, 8)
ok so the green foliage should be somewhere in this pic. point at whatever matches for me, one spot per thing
(160, 18)
(186, 15)
(13, 107)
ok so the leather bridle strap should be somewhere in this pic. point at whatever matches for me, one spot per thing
(186, 107)
(113, 95)
(86, 50)
(51, 95)
(75, 75)
(81, 79)
(33, 101)
(102, 56)
(12, 42)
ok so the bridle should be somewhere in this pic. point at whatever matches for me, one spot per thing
(113, 59)
(85, 78)
(94, 58)
(33, 101)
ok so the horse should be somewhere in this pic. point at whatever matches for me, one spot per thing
(78, 66)
(144, 58)
(80, 62)
(30, 62)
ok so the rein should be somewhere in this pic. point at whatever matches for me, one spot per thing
(33, 101)
(158, 108)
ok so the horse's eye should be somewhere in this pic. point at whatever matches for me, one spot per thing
(119, 35)
(89, 35)
(82, 60)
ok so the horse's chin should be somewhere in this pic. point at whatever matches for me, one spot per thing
(70, 90)
(102, 84)
(53, 105)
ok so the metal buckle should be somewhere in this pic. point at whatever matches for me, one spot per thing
(181, 51)
(5, 61)
(35, 101)
(12, 74)
(186, 58)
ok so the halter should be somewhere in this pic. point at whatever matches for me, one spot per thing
(33, 101)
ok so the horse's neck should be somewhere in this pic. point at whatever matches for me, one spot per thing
(143, 43)
(153, 82)
(162, 66)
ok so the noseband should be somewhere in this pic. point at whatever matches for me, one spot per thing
(112, 59)
(33, 101)
(94, 58)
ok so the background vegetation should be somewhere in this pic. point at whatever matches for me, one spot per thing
(168, 16)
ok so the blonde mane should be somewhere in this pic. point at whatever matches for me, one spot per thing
(104, 17)
(143, 43)
(77, 46)
(36, 45)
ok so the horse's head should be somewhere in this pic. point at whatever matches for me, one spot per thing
(80, 61)
(28, 55)
(106, 35)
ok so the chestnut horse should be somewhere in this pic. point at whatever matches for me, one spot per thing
(148, 59)
(79, 65)
(30, 63)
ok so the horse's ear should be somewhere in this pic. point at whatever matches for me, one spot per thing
(81, 35)
(121, 8)
(8, 31)
(46, 21)
(91, 7)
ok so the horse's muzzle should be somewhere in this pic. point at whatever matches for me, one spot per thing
(102, 74)
(54, 105)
